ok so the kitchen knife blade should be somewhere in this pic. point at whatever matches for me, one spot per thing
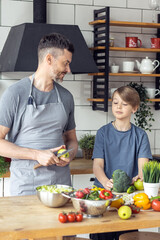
(64, 152)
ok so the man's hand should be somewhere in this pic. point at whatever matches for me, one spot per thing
(47, 157)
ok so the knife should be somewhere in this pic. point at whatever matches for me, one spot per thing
(59, 155)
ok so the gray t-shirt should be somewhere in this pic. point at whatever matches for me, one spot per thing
(121, 150)
(14, 101)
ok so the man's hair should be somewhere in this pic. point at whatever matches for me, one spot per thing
(129, 95)
(54, 43)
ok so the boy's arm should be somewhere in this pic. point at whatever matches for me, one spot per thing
(141, 162)
(98, 169)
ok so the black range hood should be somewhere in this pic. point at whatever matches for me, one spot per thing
(20, 50)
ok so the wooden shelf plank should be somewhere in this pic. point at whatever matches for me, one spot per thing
(127, 24)
(126, 49)
(134, 49)
(126, 74)
(109, 100)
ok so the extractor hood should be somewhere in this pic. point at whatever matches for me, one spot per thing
(20, 50)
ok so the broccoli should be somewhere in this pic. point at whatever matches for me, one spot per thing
(121, 181)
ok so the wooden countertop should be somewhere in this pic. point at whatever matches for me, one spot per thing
(26, 217)
(77, 166)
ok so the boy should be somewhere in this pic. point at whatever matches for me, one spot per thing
(120, 145)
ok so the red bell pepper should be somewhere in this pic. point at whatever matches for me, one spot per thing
(105, 194)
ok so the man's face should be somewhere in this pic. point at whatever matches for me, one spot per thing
(61, 66)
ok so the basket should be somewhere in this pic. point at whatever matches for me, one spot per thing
(87, 153)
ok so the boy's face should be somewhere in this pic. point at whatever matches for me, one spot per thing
(121, 109)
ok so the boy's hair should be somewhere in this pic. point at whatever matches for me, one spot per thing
(129, 95)
(55, 44)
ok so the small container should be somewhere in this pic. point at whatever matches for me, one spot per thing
(111, 42)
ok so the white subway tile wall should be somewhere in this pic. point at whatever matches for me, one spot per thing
(80, 12)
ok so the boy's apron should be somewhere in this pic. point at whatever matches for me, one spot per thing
(42, 128)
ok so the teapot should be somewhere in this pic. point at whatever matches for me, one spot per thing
(147, 66)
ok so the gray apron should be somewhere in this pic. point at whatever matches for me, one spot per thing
(42, 128)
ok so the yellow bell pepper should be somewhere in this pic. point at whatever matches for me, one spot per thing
(95, 188)
(141, 200)
(117, 203)
(140, 196)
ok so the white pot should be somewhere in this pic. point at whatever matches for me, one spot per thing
(151, 189)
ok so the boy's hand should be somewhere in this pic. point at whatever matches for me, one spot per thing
(108, 184)
(134, 179)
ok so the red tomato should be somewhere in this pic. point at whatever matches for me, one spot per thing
(134, 209)
(79, 194)
(86, 190)
(71, 217)
(62, 217)
(79, 217)
(156, 204)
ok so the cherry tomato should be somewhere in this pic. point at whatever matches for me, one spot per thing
(79, 217)
(79, 194)
(134, 209)
(71, 217)
(87, 191)
(156, 204)
(62, 217)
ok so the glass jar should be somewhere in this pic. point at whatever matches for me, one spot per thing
(111, 42)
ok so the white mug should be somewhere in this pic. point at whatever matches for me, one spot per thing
(114, 69)
(128, 66)
(152, 92)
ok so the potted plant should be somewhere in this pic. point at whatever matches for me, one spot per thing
(86, 143)
(151, 178)
(3, 166)
(143, 116)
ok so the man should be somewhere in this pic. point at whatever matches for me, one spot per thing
(37, 116)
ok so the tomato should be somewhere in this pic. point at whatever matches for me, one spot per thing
(62, 217)
(156, 204)
(134, 209)
(79, 194)
(79, 217)
(87, 191)
(71, 217)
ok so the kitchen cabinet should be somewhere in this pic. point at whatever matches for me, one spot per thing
(101, 49)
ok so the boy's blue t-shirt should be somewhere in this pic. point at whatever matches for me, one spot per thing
(121, 150)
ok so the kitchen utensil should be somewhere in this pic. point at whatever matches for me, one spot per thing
(147, 66)
(155, 42)
(128, 66)
(50, 199)
(59, 155)
(90, 208)
(132, 42)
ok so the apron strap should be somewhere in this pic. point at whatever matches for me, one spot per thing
(30, 97)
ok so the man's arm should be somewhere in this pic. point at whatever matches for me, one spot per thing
(98, 169)
(11, 150)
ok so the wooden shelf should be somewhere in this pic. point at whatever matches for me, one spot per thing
(127, 49)
(126, 74)
(127, 24)
(109, 100)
